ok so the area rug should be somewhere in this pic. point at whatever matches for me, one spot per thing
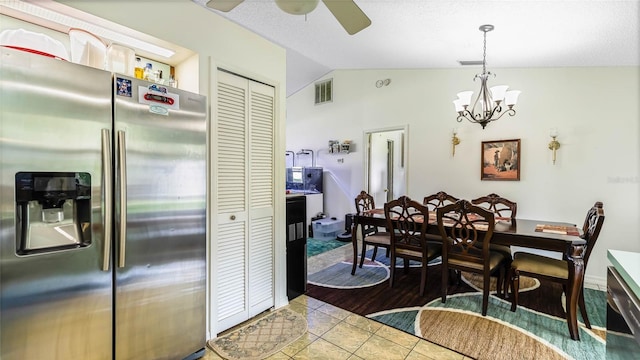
(371, 273)
(261, 338)
(316, 246)
(537, 330)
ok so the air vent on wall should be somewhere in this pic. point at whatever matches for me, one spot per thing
(324, 91)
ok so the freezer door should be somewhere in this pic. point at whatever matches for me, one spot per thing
(160, 221)
(55, 298)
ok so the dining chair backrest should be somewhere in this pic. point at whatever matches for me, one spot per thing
(438, 199)
(364, 202)
(466, 232)
(407, 221)
(498, 205)
(591, 228)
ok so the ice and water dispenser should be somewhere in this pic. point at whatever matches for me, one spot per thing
(53, 211)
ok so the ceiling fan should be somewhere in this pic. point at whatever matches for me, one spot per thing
(346, 12)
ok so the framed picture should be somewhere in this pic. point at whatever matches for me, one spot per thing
(500, 160)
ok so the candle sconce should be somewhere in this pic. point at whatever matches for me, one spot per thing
(554, 145)
(454, 142)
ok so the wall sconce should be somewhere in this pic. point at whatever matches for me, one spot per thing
(454, 141)
(554, 145)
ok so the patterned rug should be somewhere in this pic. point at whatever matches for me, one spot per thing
(316, 246)
(537, 330)
(261, 338)
(372, 273)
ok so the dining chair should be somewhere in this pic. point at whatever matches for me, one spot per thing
(498, 205)
(407, 221)
(371, 235)
(438, 199)
(466, 232)
(434, 201)
(503, 208)
(557, 270)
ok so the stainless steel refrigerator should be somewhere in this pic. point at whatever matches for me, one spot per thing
(102, 214)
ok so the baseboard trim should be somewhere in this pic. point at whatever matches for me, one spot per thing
(595, 282)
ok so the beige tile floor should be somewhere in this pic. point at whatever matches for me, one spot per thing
(336, 334)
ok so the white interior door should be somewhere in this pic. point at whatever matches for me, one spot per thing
(385, 176)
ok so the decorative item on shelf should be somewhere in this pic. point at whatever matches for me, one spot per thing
(454, 141)
(554, 145)
(487, 106)
(336, 147)
(345, 147)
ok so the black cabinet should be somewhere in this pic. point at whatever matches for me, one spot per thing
(296, 245)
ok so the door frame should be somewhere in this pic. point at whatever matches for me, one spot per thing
(403, 154)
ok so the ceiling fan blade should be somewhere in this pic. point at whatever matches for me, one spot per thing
(223, 5)
(348, 15)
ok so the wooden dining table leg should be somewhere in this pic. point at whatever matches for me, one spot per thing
(575, 262)
(354, 243)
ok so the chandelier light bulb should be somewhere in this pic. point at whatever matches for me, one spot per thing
(511, 97)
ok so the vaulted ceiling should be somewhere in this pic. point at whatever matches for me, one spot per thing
(440, 33)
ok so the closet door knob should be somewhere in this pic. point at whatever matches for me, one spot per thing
(233, 217)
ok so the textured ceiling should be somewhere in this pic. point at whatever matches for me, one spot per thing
(437, 34)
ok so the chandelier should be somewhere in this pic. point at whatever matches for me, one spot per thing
(487, 106)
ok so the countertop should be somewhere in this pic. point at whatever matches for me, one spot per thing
(627, 263)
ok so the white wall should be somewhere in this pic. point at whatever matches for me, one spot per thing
(220, 43)
(595, 110)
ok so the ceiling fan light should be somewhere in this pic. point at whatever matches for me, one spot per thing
(297, 7)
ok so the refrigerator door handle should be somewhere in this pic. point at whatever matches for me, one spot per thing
(107, 187)
(122, 188)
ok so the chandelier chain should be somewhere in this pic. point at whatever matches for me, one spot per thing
(484, 54)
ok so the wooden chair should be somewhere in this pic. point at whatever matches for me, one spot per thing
(498, 205)
(438, 199)
(371, 235)
(407, 221)
(556, 270)
(503, 208)
(466, 232)
(435, 201)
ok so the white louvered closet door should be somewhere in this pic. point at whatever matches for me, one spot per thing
(261, 197)
(243, 234)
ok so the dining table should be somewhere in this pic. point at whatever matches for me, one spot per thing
(547, 235)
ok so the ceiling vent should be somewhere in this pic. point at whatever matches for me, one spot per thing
(470, 62)
(324, 91)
